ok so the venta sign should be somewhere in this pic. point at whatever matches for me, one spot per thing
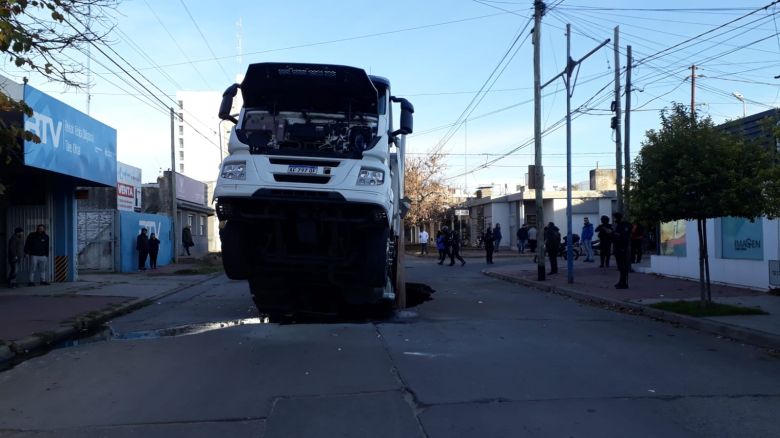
(128, 187)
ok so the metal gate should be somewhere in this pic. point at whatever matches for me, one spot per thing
(28, 217)
(96, 240)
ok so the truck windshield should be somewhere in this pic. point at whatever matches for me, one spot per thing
(308, 134)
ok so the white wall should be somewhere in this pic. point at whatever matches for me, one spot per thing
(745, 273)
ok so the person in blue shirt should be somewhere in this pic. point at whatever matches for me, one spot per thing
(587, 240)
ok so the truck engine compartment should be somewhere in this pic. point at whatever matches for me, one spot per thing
(301, 133)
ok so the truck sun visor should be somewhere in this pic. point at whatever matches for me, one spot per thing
(313, 87)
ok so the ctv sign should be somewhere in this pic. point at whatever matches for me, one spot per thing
(71, 142)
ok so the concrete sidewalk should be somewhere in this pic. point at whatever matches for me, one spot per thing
(35, 317)
(594, 284)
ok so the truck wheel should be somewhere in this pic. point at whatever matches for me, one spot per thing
(234, 258)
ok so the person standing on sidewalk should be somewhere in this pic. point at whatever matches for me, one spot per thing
(15, 254)
(186, 239)
(142, 246)
(532, 234)
(637, 242)
(489, 240)
(620, 242)
(522, 238)
(447, 243)
(455, 251)
(552, 242)
(497, 235)
(154, 249)
(36, 246)
(424, 242)
(605, 241)
(587, 240)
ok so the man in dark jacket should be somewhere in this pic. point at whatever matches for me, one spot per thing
(455, 250)
(621, 239)
(552, 242)
(36, 246)
(186, 239)
(15, 254)
(497, 235)
(142, 246)
(522, 238)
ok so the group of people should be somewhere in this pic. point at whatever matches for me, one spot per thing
(149, 246)
(36, 248)
(448, 243)
(526, 238)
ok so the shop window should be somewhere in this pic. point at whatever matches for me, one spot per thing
(203, 225)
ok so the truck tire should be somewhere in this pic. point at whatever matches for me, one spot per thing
(235, 258)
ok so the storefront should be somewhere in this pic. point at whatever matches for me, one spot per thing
(74, 150)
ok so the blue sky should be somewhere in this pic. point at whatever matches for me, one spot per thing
(439, 54)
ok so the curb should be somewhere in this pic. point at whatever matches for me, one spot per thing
(742, 334)
(24, 348)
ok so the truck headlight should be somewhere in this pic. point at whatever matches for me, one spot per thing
(234, 170)
(370, 177)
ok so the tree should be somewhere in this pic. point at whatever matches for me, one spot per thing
(34, 35)
(424, 187)
(690, 169)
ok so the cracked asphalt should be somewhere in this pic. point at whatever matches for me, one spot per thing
(483, 358)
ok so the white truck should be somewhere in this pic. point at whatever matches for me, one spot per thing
(310, 199)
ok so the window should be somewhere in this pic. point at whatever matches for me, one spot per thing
(181, 143)
(203, 225)
(181, 104)
(190, 220)
(181, 116)
(181, 167)
(181, 130)
(181, 155)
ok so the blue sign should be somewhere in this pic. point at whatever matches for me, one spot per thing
(130, 225)
(72, 143)
(742, 239)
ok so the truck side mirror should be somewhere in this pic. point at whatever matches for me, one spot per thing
(227, 103)
(407, 120)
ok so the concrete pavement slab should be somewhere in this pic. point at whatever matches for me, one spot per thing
(377, 415)
(225, 374)
(650, 417)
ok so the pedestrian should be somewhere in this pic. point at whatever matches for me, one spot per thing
(552, 241)
(424, 242)
(587, 239)
(441, 246)
(621, 239)
(36, 246)
(447, 243)
(142, 246)
(532, 233)
(15, 254)
(154, 249)
(605, 241)
(186, 239)
(455, 250)
(497, 235)
(522, 238)
(637, 242)
(489, 240)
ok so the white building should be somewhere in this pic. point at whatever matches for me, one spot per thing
(200, 148)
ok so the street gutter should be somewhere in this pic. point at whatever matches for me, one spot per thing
(726, 330)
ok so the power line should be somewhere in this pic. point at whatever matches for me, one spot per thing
(186, 9)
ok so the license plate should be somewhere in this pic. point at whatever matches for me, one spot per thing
(302, 169)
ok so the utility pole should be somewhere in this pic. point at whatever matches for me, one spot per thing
(626, 193)
(566, 74)
(616, 126)
(173, 190)
(539, 8)
(693, 91)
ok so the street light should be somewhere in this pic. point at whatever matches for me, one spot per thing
(740, 98)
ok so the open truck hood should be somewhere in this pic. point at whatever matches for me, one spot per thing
(308, 87)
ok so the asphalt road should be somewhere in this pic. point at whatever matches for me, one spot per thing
(484, 358)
